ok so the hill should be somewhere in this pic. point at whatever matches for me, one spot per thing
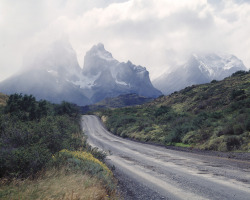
(117, 102)
(214, 116)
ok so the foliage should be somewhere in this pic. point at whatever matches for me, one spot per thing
(37, 137)
(240, 73)
(26, 108)
(31, 131)
(213, 116)
(85, 163)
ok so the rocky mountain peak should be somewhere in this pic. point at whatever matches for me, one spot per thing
(100, 46)
(97, 59)
(98, 51)
(109, 77)
(55, 75)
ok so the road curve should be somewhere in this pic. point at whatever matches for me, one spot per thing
(152, 172)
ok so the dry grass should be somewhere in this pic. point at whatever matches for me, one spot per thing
(61, 185)
(3, 99)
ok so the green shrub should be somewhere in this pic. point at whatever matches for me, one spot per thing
(235, 94)
(239, 73)
(216, 115)
(32, 131)
(216, 144)
(238, 130)
(200, 119)
(148, 129)
(84, 162)
(227, 130)
(214, 81)
(175, 135)
(247, 124)
(222, 147)
(233, 142)
(161, 110)
(191, 137)
(171, 137)
(24, 161)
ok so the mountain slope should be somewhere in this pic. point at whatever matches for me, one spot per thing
(199, 69)
(214, 116)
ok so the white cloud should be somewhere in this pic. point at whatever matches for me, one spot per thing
(153, 33)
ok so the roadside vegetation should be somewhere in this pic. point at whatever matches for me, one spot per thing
(44, 155)
(214, 116)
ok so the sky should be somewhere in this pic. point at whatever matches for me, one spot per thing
(156, 34)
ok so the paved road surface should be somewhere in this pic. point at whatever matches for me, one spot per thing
(152, 172)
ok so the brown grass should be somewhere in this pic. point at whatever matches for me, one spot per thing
(61, 185)
(3, 99)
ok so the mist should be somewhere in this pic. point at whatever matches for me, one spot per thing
(157, 34)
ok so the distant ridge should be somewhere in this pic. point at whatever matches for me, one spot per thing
(117, 102)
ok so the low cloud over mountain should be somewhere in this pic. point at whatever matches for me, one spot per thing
(53, 73)
(199, 69)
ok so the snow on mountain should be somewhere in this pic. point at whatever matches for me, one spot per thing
(219, 66)
(199, 69)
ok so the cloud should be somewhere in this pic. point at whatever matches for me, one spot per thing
(157, 34)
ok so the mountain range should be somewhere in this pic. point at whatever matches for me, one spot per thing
(53, 73)
(199, 69)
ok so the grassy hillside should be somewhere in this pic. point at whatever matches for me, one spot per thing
(117, 102)
(44, 154)
(214, 116)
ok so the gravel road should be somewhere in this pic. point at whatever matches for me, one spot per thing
(147, 171)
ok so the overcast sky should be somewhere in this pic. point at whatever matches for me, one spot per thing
(157, 34)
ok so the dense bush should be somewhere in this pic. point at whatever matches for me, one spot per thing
(238, 94)
(32, 131)
(240, 73)
(161, 110)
